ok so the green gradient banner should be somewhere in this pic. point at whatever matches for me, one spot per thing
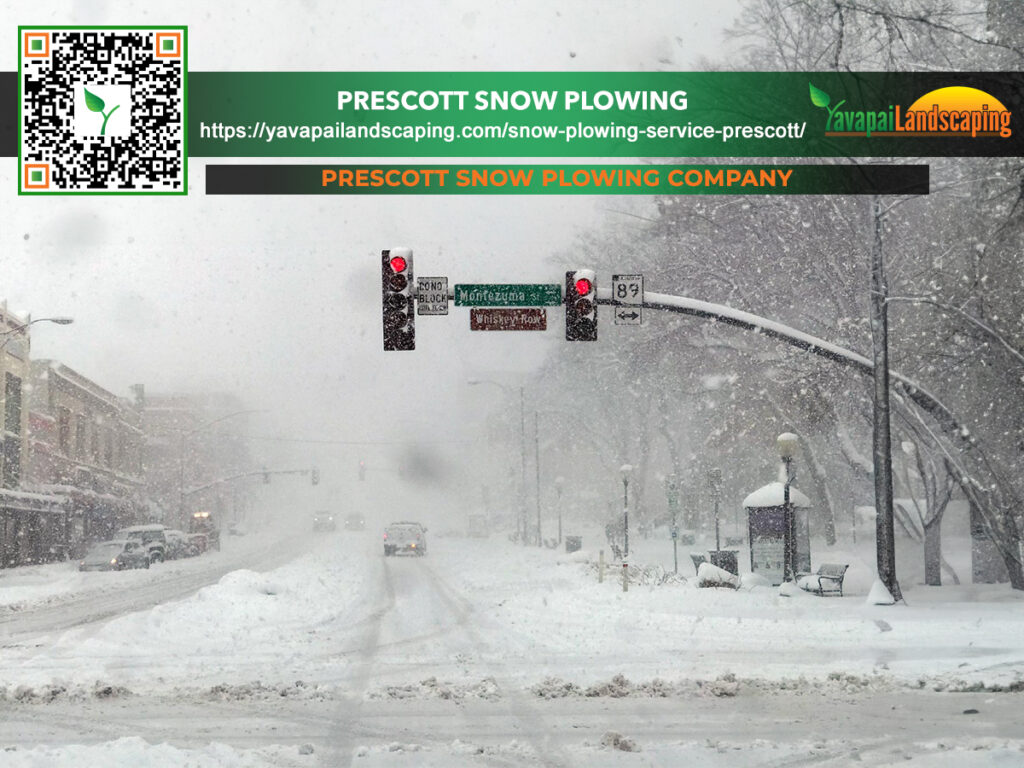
(605, 114)
(724, 179)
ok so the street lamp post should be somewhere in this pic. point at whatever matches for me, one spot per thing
(787, 444)
(626, 470)
(522, 448)
(559, 482)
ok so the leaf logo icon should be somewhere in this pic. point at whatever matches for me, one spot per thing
(96, 104)
(821, 99)
(818, 97)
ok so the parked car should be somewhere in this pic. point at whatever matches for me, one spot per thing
(178, 545)
(153, 536)
(324, 521)
(115, 556)
(405, 536)
(354, 521)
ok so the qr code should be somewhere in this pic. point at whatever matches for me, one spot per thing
(102, 110)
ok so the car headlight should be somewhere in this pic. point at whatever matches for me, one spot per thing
(114, 561)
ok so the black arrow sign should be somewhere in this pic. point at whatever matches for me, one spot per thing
(631, 315)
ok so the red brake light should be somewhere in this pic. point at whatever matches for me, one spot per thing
(385, 537)
(398, 264)
(583, 286)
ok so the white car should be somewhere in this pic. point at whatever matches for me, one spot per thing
(405, 536)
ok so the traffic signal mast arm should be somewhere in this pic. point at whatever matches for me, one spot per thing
(750, 322)
(251, 473)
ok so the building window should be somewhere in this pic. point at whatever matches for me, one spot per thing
(12, 404)
(79, 436)
(64, 430)
(108, 447)
(12, 461)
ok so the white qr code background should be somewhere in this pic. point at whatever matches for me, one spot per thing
(102, 110)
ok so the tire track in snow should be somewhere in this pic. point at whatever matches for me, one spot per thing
(532, 724)
(342, 733)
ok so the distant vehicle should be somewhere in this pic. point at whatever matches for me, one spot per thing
(354, 522)
(115, 556)
(153, 536)
(205, 523)
(405, 536)
(478, 527)
(178, 545)
(236, 529)
(324, 521)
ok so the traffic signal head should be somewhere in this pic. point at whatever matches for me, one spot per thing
(397, 302)
(580, 305)
(315, 476)
(362, 469)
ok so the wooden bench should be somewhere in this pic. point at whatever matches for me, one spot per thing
(827, 580)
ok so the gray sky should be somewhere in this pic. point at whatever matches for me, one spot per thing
(277, 298)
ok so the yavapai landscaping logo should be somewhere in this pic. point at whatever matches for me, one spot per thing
(956, 111)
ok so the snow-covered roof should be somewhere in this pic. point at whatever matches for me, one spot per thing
(771, 495)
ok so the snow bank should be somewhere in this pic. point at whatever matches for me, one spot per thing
(135, 751)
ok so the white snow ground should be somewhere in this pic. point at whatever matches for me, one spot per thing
(485, 652)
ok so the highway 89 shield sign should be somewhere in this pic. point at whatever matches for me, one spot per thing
(628, 297)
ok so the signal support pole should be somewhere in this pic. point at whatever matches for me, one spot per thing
(536, 461)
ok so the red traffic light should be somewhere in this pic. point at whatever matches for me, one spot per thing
(584, 286)
(398, 264)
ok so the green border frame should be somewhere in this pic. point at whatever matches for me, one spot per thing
(184, 111)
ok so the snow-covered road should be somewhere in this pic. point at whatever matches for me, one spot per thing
(484, 653)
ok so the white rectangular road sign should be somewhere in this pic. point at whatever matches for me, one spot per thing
(431, 295)
(628, 298)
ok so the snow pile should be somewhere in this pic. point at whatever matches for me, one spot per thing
(709, 575)
(619, 687)
(247, 627)
(431, 688)
(260, 691)
(879, 595)
(46, 694)
(57, 583)
(614, 740)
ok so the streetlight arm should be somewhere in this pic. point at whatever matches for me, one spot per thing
(10, 333)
